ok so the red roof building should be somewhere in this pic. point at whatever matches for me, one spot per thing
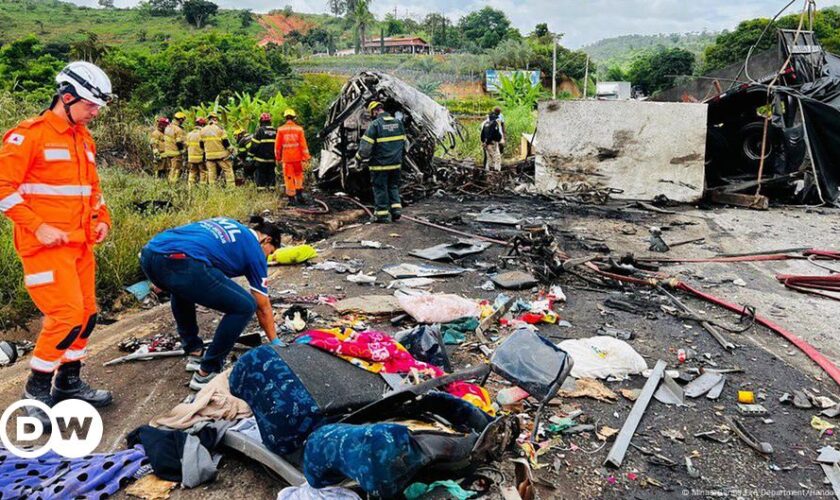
(397, 45)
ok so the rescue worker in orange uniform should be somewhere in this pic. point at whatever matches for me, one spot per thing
(50, 190)
(156, 141)
(292, 151)
(173, 146)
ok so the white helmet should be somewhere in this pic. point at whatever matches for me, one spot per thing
(85, 81)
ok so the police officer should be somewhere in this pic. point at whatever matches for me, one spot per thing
(382, 148)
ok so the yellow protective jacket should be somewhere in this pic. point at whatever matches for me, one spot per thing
(195, 147)
(156, 141)
(215, 141)
(172, 137)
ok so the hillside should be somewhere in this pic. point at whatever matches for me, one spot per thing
(620, 51)
(60, 23)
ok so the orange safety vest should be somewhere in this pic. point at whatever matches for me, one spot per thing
(48, 175)
(291, 143)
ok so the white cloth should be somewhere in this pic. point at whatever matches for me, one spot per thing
(306, 492)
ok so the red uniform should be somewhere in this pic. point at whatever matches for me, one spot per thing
(48, 175)
(292, 151)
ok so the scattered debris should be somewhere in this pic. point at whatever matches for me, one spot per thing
(438, 308)
(752, 410)
(514, 280)
(748, 438)
(400, 271)
(702, 384)
(369, 304)
(588, 388)
(603, 357)
(451, 251)
(669, 392)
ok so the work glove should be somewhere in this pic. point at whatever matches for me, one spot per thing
(277, 341)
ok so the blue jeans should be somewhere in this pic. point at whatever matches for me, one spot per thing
(192, 282)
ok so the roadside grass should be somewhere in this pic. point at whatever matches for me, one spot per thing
(518, 121)
(117, 262)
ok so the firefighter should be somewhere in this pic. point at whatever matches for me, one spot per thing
(50, 190)
(382, 148)
(173, 145)
(243, 161)
(292, 151)
(195, 154)
(156, 142)
(261, 148)
(217, 151)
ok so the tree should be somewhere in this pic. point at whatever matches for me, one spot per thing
(88, 49)
(25, 66)
(246, 18)
(513, 54)
(541, 30)
(393, 26)
(106, 4)
(163, 7)
(362, 19)
(440, 28)
(486, 28)
(615, 74)
(656, 70)
(197, 12)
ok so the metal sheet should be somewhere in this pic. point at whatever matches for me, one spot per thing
(715, 391)
(622, 441)
(643, 149)
(702, 384)
(669, 392)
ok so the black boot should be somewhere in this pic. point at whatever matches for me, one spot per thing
(38, 388)
(68, 385)
(299, 198)
(292, 201)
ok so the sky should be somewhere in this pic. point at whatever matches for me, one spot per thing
(581, 21)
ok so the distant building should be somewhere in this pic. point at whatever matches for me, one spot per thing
(397, 45)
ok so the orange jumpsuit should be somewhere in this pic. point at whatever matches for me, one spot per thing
(48, 175)
(292, 151)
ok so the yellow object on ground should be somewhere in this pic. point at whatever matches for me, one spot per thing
(292, 255)
(746, 397)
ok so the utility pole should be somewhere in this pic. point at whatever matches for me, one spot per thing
(586, 79)
(554, 68)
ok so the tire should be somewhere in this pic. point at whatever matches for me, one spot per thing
(750, 138)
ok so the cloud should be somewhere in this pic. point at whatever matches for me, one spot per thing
(581, 22)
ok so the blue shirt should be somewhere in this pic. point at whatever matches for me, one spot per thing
(222, 243)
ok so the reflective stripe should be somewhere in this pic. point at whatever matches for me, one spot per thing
(382, 168)
(42, 365)
(264, 141)
(90, 156)
(396, 205)
(35, 279)
(56, 154)
(388, 118)
(10, 201)
(263, 160)
(390, 139)
(74, 355)
(193, 143)
(55, 190)
(211, 139)
(368, 139)
(382, 212)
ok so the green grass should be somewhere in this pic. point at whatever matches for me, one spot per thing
(517, 122)
(117, 262)
(56, 22)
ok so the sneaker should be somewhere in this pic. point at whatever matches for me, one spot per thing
(198, 381)
(193, 363)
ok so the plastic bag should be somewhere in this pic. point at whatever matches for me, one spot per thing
(531, 362)
(425, 343)
(442, 308)
(603, 357)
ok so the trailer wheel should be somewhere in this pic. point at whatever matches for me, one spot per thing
(751, 136)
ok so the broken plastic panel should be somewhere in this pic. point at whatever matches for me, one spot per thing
(532, 363)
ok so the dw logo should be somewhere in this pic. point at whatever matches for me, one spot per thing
(76, 429)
